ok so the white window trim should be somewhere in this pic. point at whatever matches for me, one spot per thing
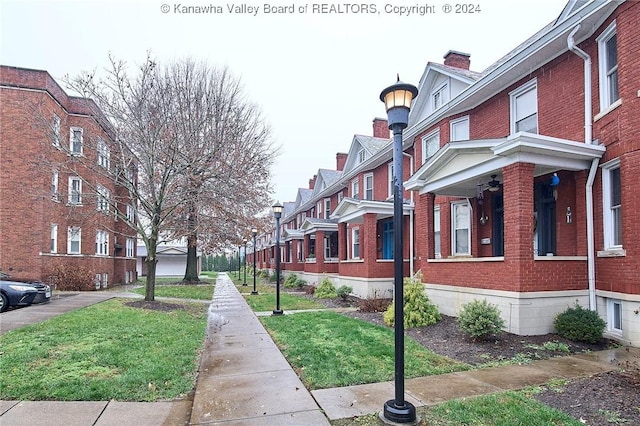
(340, 196)
(71, 132)
(390, 174)
(435, 136)
(437, 228)
(103, 199)
(364, 193)
(53, 247)
(104, 154)
(55, 131)
(130, 245)
(457, 122)
(443, 90)
(454, 206)
(70, 232)
(355, 184)
(55, 185)
(611, 316)
(102, 243)
(327, 208)
(605, 96)
(130, 213)
(355, 231)
(319, 210)
(70, 197)
(513, 95)
(362, 155)
(607, 218)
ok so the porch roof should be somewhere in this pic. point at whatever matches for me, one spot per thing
(459, 167)
(352, 210)
(292, 234)
(312, 225)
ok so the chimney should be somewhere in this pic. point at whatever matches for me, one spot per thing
(341, 159)
(457, 59)
(312, 181)
(380, 128)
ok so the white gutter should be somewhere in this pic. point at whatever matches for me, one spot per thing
(588, 139)
(411, 220)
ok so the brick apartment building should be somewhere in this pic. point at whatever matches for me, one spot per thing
(59, 203)
(519, 183)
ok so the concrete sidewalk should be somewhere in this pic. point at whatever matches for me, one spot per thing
(245, 380)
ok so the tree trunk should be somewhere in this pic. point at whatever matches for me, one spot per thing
(151, 261)
(191, 273)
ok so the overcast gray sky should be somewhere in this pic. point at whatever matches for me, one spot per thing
(315, 69)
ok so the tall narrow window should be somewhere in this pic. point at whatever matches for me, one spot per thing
(54, 238)
(340, 196)
(612, 200)
(130, 213)
(319, 209)
(74, 238)
(327, 208)
(355, 243)
(75, 140)
(390, 174)
(524, 108)
(430, 145)
(439, 97)
(368, 186)
(104, 154)
(355, 188)
(362, 155)
(75, 190)
(55, 130)
(461, 228)
(103, 196)
(436, 232)
(130, 247)
(55, 185)
(102, 243)
(608, 66)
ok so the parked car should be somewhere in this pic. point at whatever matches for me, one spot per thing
(19, 293)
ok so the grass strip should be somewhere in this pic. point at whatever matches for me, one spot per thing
(103, 352)
(332, 350)
(196, 292)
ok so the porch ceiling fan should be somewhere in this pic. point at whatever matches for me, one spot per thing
(494, 184)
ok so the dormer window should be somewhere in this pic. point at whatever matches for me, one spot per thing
(362, 155)
(438, 97)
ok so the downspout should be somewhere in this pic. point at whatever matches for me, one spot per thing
(411, 220)
(588, 139)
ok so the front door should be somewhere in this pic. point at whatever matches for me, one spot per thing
(498, 225)
(387, 239)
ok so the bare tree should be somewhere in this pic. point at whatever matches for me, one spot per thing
(229, 156)
(191, 151)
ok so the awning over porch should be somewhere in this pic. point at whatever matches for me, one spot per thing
(458, 167)
(312, 225)
(352, 210)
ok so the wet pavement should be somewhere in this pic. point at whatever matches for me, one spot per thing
(245, 380)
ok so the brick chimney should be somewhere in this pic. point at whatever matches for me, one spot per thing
(341, 159)
(457, 59)
(312, 181)
(380, 128)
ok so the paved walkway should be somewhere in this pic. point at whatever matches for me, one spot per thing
(245, 380)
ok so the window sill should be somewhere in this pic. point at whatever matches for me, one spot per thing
(610, 108)
(352, 261)
(455, 259)
(75, 204)
(612, 252)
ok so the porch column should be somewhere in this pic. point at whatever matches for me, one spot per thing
(342, 241)
(368, 243)
(518, 221)
(320, 247)
(305, 253)
(424, 229)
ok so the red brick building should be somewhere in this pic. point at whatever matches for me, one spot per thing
(59, 204)
(520, 181)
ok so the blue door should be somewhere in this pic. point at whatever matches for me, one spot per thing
(387, 239)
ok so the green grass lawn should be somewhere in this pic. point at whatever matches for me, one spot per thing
(267, 302)
(199, 292)
(331, 350)
(103, 352)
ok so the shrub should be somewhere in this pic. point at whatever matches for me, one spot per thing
(344, 291)
(263, 273)
(418, 309)
(579, 324)
(374, 304)
(72, 278)
(326, 290)
(479, 319)
(293, 281)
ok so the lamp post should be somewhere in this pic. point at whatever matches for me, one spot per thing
(254, 232)
(277, 213)
(244, 262)
(238, 274)
(397, 100)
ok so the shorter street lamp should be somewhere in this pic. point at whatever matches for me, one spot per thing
(238, 275)
(277, 213)
(254, 232)
(244, 261)
(397, 101)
